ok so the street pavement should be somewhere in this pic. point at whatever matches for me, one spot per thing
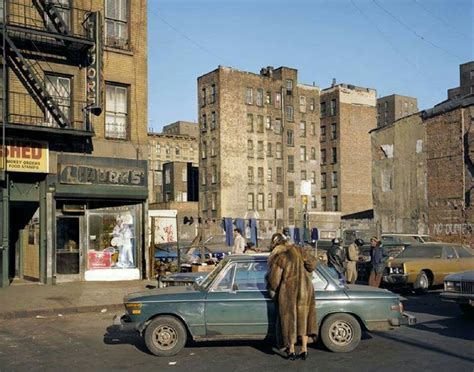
(442, 340)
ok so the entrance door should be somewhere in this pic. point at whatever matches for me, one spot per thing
(68, 248)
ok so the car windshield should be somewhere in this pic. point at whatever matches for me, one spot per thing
(206, 282)
(421, 252)
(428, 239)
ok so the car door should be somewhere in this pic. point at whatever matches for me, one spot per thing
(238, 304)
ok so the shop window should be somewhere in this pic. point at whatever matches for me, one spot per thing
(116, 111)
(116, 23)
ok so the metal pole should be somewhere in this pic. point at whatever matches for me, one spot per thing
(4, 88)
(4, 213)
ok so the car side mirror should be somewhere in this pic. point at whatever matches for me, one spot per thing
(450, 256)
(235, 287)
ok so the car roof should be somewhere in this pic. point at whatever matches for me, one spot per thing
(435, 245)
(397, 234)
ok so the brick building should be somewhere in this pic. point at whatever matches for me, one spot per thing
(393, 107)
(348, 113)
(74, 169)
(183, 128)
(259, 140)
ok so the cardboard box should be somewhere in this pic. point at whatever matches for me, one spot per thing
(202, 268)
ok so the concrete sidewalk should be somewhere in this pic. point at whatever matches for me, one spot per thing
(30, 300)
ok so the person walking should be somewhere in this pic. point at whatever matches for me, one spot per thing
(337, 259)
(290, 285)
(352, 258)
(239, 242)
(377, 262)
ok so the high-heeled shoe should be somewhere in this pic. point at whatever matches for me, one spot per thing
(303, 355)
(291, 356)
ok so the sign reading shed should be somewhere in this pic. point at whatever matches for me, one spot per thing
(26, 156)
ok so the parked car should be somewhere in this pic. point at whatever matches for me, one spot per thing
(180, 279)
(232, 303)
(421, 266)
(394, 244)
(459, 288)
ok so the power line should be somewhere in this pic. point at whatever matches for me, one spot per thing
(413, 31)
(442, 20)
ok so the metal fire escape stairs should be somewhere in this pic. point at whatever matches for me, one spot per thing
(49, 9)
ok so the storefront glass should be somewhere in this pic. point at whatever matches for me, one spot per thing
(67, 245)
(112, 237)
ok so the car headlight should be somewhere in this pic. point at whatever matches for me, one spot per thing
(396, 270)
(133, 308)
(451, 286)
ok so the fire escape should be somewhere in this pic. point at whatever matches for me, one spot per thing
(37, 35)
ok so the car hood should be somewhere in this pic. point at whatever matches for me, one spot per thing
(357, 291)
(178, 293)
(466, 276)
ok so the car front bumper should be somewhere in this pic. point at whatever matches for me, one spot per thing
(406, 319)
(458, 297)
(125, 324)
(395, 279)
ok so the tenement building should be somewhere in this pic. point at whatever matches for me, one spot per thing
(259, 141)
(74, 152)
(178, 143)
(393, 107)
(348, 113)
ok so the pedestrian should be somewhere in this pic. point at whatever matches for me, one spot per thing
(337, 259)
(239, 242)
(290, 285)
(352, 258)
(377, 262)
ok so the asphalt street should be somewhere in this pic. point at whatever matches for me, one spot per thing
(442, 340)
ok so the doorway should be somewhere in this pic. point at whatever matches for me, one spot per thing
(69, 253)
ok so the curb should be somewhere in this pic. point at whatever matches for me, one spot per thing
(59, 310)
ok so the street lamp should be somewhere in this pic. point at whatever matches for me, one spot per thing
(305, 192)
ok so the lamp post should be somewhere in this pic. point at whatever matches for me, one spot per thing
(305, 193)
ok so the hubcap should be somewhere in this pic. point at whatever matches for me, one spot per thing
(165, 337)
(423, 282)
(341, 333)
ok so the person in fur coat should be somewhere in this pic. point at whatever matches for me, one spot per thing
(290, 285)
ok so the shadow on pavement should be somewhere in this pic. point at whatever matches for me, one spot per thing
(115, 336)
(459, 327)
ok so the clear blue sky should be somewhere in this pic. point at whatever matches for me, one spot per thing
(409, 47)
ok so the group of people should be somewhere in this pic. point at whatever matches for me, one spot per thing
(344, 262)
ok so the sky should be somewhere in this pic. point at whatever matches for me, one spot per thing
(407, 47)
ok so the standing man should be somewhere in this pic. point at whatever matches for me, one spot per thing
(239, 242)
(352, 258)
(337, 259)
(377, 262)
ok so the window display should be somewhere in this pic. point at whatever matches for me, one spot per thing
(112, 237)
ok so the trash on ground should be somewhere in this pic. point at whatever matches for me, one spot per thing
(103, 311)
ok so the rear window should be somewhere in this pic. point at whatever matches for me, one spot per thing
(464, 252)
(421, 252)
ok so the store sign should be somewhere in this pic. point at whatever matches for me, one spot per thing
(94, 175)
(94, 64)
(25, 156)
(99, 260)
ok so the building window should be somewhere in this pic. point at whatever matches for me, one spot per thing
(335, 204)
(313, 153)
(278, 150)
(323, 109)
(249, 123)
(250, 148)
(204, 203)
(314, 205)
(250, 175)
(323, 203)
(204, 150)
(323, 133)
(289, 113)
(260, 201)
(268, 122)
(260, 124)
(270, 200)
(269, 174)
(203, 97)
(116, 23)
(213, 120)
(214, 201)
(323, 181)
(259, 99)
(289, 87)
(177, 151)
(290, 139)
(278, 100)
(269, 149)
(250, 202)
(291, 188)
(204, 122)
(214, 174)
(213, 93)
(268, 98)
(291, 163)
(249, 96)
(279, 176)
(302, 129)
(312, 104)
(323, 156)
(334, 179)
(334, 155)
(168, 151)
(279, 201)
(184, 175)
(260, 150)
(313, 177)
(333, 131)
(158, 149)
(333, 107)
(303, 175)
(313, 129)
(278, 126)
(59, 87)
(116, 108)
(302, 104)
(291, 215)
(302, 153)
(213, 147)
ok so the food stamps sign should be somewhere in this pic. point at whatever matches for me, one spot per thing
(25, 156)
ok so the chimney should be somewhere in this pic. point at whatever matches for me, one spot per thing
(333, 82)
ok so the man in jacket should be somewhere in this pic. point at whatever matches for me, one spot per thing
(239, 242)
(337, 258)
(352, 258)
(377, 262)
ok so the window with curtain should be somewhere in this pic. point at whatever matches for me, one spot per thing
(116, 23)
(116, 111)
(59, 87)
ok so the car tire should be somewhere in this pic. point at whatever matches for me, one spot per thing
(165, 336)
(341, 333)
(467, 309)
(422, 283)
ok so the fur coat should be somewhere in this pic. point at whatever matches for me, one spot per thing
(290, 285)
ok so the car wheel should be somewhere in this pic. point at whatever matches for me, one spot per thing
(467, 309)
(165, 336)
(422, 283)
(341, 333)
